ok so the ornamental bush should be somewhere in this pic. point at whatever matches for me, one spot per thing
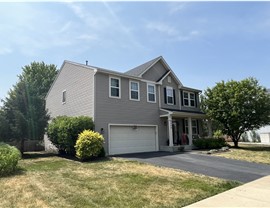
(209, 143)
(63, 132)
(9, 157)
(89, 145)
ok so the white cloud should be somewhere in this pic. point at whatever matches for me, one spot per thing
(170, 32)
(104, 23)
(176, 7)
(5, 50)
(162, 28)
(30, 29)
(87, 37)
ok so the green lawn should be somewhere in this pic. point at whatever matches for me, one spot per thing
(249, 152)
(51, 181)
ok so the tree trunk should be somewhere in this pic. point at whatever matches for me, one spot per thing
(22, 146)
(235, 141)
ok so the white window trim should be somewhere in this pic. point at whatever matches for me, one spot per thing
(119, 79)
(64, 91)
(130, 81)
(170, 88)
(189, 99)
(148, 84)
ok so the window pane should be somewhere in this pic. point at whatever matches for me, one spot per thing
(185, 102)
(151, 89)
(151, 97)
(134, 95)
(134, 86)
(114, 82)
(192, 103)
(169, 92)
(192, 96)
(114, 92)
(194, 130)
(170, 100)
(194, 123)
(185, 95)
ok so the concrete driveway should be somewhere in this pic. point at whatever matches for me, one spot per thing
(204, 164)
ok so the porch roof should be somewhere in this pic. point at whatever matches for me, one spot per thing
(181, 113)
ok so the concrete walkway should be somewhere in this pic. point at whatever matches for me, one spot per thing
(252, 194)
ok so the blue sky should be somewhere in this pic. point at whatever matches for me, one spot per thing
(203, 42)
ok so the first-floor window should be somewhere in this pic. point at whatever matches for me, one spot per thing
(194, 127)
(151, 93)
(186, 126)
(115, 87)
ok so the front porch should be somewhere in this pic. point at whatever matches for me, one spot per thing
(181, 128)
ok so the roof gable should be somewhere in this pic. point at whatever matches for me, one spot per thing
(141, 69)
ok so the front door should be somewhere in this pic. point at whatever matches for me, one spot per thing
(175, 129)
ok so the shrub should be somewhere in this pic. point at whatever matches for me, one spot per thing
(63, 132)
(218, 134)
(209, 143)
(89, 144)
(9, 157)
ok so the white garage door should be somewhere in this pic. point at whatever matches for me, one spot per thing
(131, 139)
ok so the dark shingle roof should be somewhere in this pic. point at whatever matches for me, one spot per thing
(138, 71)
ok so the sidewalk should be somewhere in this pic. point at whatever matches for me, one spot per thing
(253, 194)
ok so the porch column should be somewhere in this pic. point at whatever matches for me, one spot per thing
(170, 131)
(190, 130)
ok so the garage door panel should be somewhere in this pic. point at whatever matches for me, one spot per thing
(134, 143)
(126, 139)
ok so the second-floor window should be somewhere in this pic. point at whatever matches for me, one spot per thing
(170, 97)
(134, 91)
(151, 93)
(189, 99)
(115, 86)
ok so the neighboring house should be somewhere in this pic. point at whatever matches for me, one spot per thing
(262, 134)
(144, 109)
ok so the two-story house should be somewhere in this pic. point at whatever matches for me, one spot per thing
(144, 109)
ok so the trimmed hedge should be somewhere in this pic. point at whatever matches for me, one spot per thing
(209, 143)
(63, 132)
(9, 157)
(89, 145)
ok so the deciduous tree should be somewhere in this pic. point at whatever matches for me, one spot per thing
(239, 106)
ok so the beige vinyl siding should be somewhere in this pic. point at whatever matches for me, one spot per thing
(78, 82)
(155, 72)
(122, 111)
